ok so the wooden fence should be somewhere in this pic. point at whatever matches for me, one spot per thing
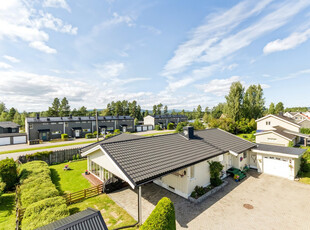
(83, 194)
(57, 156)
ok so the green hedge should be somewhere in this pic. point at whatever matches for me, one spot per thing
(170, 126)
(36, 183)
(2, 186)
(8, 173)
(89, 135)
(64, 136)
(157, 127)
(44, 212)
(117, 131)
(162, 217)
(39, 155)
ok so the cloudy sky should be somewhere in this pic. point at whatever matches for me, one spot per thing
(177, 52)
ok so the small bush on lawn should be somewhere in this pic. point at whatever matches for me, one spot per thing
(95, 133)
(162, 217)
(8, 173)
(44, 212)
(2, 186)
(117, 131)
(157, 127)
(170, 126)
(64, 136)
(89, 135)
(109, 135)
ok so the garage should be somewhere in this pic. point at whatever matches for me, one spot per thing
(5, 141)
(276, 166)
(19, 140)
(138, 128)
(277, 160)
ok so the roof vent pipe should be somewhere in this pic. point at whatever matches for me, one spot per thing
(70, 116)
(38, 116)
(188, 132)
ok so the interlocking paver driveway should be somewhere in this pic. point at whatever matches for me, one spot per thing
(278, 204)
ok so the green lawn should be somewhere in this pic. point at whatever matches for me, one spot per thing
(7, 211)
(47, 147)
(159, 133)
(247, 136)
(113, 215)
(68, 181)
(306, 177)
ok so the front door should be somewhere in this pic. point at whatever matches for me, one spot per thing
(44, 136)
(77, 133)
(124, 129)
(229, 161)
(253, 160)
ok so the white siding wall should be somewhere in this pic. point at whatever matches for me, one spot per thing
(149, 120)
(272, 139)
(261, 125)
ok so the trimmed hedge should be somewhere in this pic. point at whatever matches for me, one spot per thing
(38, 154)
(36, 183)
(170, 126)
(157, 127)
(89, 135)
(8, 173)
(2, 186)
(64, 136)
(44, 212)
(162, 217)
(117, 131)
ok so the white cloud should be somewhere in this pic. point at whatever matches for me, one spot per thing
(218, 87)
(4, 65)
(117, 19)
(57, 4)
(20, 21)
(151, 29)
(11, 59)
(42, 47)
(290, 42)
(110, 70)
(206, 35)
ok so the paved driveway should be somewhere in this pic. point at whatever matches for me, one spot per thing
(277, 204)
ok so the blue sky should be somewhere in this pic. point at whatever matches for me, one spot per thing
(179, 53)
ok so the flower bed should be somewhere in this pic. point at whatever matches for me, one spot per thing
(202, 193)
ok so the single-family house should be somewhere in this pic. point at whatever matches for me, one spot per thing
(279, 130)
(47, 128)
(164, 120)
(179, 162)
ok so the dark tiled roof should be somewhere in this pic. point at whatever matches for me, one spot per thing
(8, 124)
(84, 118)
(280, 149)
(89, 219)
(224, 140)
(169, 116)
(147, 158)
(119, 137)
(283, 132)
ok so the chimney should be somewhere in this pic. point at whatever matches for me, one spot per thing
(38, 116)
(188, 132)
(70, 116)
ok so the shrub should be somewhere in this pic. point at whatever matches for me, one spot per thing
(162, 217)
(39, 155)
(2, 186)
(117, 131)
(89, 135)
(44, 212)
(95, 134)
(64, 136)
(194, 194)
(170, 126)
(180, 126)
(198, 125)
(157, 127)
(305, 130)
(8, 173)
(215, 169)
(74, 157)
(199, 190)
(109, 135)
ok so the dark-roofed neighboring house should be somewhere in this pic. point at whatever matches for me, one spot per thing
(9, 134)
(47, 128)
(164, 120)
(89, 219)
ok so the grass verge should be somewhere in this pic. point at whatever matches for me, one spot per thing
(7, 211)
(68, 181)
(47, 147)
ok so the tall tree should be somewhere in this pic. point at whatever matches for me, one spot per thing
(279, 108)
(154, 109)
(2, 107)
(218, 110)
(55, 109)
(12, 113)
(159, 107)
(146, 113)
(166, 110)
(253, 102)
(199, 112)
(271, 109)
(64, 108)
(234, 101)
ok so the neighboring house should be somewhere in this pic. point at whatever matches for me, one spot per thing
(305, 124)
(290, 114)
(9, 134)
(301, 118)
(279, 130)
(47, 128)
(89, 219)
(164, 120)
(9, 127)
(179, 162)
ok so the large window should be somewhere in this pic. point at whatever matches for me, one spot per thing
(95, 169)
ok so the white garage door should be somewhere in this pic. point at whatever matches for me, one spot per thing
(139, 128)
(144, 128)
(19, 140)
(5, 141)
(150, 127)
(277, 166)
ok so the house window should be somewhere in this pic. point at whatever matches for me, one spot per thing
(66, 124)
(53, 123)
(56, 132)
(44, 123)
(192, 172)
(60, 123)
(267, 122)
(86, 130)
(245, 155)
(30, 126)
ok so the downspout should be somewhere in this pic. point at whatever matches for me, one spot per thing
(139, 213)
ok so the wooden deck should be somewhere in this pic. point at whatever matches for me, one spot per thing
(92, 179)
